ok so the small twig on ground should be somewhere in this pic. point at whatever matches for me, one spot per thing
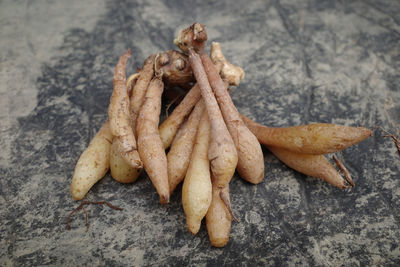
(82, 206)
(86, 218)
(225, 198)
(346, 173)
(396, 139)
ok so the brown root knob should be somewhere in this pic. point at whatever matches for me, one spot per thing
(192, 37)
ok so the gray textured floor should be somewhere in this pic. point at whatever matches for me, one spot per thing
(305, 61)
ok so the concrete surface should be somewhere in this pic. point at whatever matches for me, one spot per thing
(305, 61)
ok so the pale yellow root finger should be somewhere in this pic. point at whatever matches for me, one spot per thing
(171, 125)
(179, 155)
(120, 170)
(149, 143)
(218, 218)
(313, 165)
(93, 164)
(197, 188)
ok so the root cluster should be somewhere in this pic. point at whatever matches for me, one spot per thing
(206, 137)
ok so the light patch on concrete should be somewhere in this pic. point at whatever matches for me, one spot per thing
(31, 33)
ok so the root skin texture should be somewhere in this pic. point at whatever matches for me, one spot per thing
(250, 156)
(197, 187)
(137, 85)
(171, 125)
(222, 152)
(218, 218)
(313, 165)
(120, 117)
(318, 138)
(139, 90)
(180, 153)
(149, 143)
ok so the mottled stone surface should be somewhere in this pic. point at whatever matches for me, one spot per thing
(305, 61)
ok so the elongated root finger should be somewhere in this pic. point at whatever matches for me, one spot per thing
(250, 163)
(139, 90)
(313, 165)
(222, 152)
(129, 152)
(180, 154)
(197, 187)
(120, 117)
(121, 170)
(93, 164)
(149, 143)
(317, 138)
(170, 126)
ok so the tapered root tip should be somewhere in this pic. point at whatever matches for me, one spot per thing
(349, 181)
(76, 196)
(254, 180)
(193, 226)
(134, 159)
(164, 199)
(76, 192)
(344, 185)
(261, 177)
(364, 133)
(219, 242)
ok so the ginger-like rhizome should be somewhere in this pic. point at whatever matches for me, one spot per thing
(208, 155)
